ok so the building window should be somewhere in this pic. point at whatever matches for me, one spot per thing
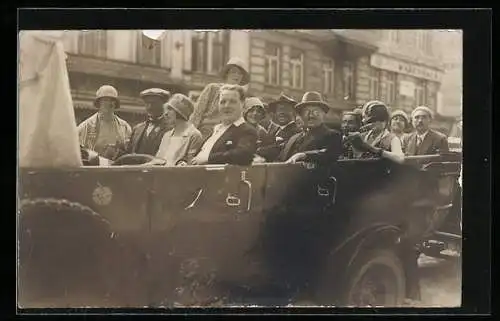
(200, 51)
(391, 87)
(421, 92)
(348, 80)
(92, 43)
(272, 64)
(210, 51)
(328, 76)
(374, 83)
(149, 51)
(220, 50)
(297, 68)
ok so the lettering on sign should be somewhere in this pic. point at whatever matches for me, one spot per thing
(386, 63)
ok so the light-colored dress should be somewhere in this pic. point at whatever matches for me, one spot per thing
(182, 146)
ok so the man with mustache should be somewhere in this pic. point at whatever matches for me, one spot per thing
(146, 136)
(317, 141)
(233, 141)
(424, 140)
(286, 127)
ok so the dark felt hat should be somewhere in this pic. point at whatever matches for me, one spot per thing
(282, 100)
(312, 98)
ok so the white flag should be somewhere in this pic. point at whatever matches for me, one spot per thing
(47, 128)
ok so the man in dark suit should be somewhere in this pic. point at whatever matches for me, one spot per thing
(233, 141)
(317, 142)
(146, 137)
(285, 127)
(424, 141)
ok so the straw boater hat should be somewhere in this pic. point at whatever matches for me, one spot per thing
(106, 91)
(237, 62)
(158, 92)
(252, 102)
(424, 109)
(282, 100)
(312, 98)
(402, 114)
(182, 105)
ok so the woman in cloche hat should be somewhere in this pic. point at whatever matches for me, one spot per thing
(399, 124)
(105, 132)
(206, 114)
(180, 144)
(376, 140)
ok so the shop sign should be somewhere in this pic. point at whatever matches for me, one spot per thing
(401, 67)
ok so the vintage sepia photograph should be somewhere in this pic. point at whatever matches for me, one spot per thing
(239, 168)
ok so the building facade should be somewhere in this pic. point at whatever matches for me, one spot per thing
(450, 103)
(348, 67)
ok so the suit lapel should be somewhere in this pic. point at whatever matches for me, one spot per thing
(289, 146)
(141, 131)
(426, 144)
(220, 143)
(412, 144)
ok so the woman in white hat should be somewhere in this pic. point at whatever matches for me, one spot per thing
(399, 124)
(180, 144)
(253, 113)
(206, 111)
(105, 132)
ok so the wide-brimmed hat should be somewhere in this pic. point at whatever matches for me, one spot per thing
(251, 102)
(158, 92)
(181, 104)
(282, 100)
(424, 109)
(402, 114)
(312, 98)
(237, 62)
(106, 91)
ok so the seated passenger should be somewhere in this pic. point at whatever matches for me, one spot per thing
(316, 142)
(233, 141)
(147, 135)
(284, 118)
(105, 132)
(351, 123)
(254, 112)
(377, 141)
(180, 144)
(424, 141)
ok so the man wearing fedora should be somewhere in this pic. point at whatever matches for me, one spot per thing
(424, 140)
(105, 132)
(206, 111)
(146, 136)
(233, 140)
(284, 118)
(317, 141)
(180, 144)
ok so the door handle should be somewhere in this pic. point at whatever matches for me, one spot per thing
(249, 184)
(325, 192)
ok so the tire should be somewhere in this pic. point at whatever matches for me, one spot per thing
(381, 268)
(63, 257)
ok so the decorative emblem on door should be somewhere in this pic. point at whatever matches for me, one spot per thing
(102, 195)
